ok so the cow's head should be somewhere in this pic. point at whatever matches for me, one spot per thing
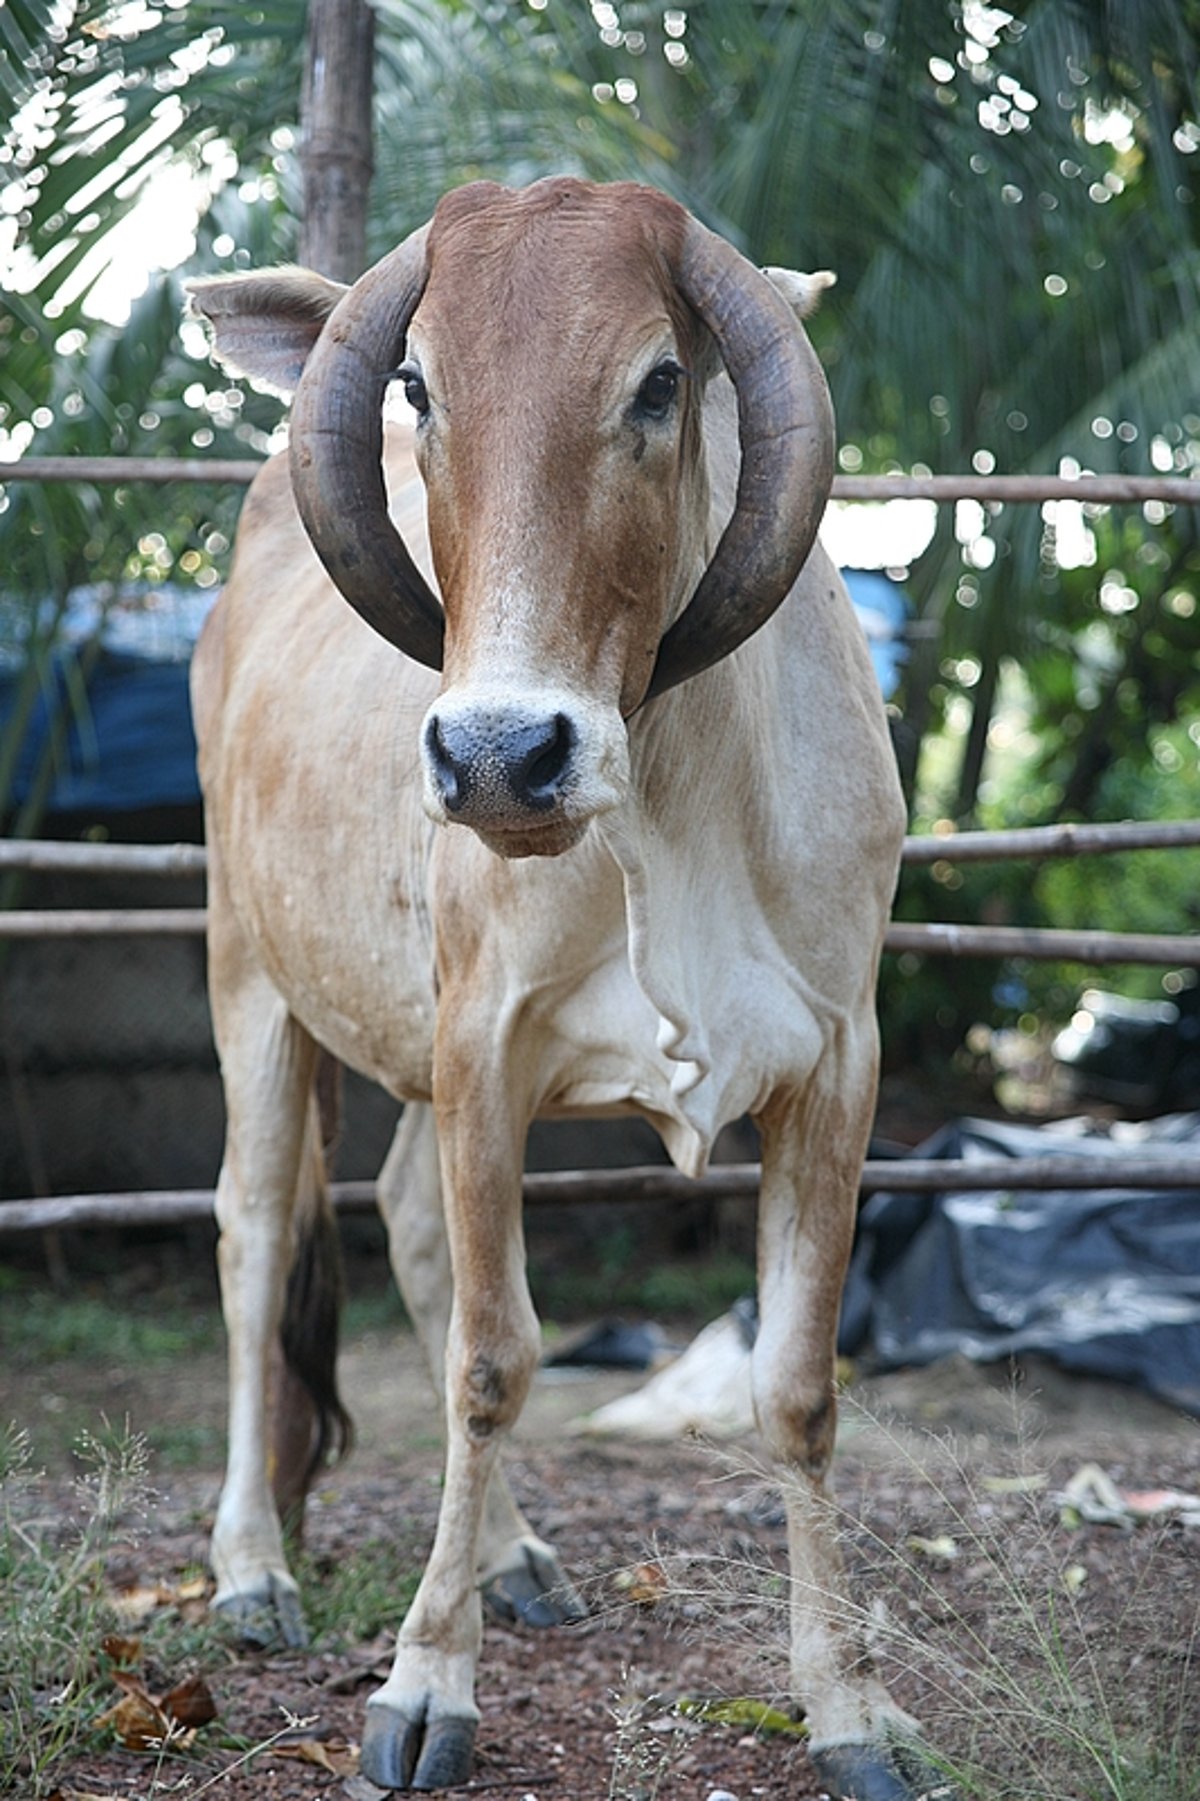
(553, 343)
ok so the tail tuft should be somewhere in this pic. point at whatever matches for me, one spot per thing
(309, 1337)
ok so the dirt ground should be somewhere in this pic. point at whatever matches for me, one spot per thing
(990, 1611)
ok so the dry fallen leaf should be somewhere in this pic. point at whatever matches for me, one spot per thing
(142, 1723)
(646, 1583)
(129, 1682)
(1092, 1496)
(1149, 1504)
(190, 1702)
(124, 1652)
(742, 1710)
(334, 1755)
(137, 1721)
(1028, 1484)
(136, 1604)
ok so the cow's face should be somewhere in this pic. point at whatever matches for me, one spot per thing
(554, 343)
(555, 375)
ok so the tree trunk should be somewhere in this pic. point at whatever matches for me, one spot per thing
(983, 700)
(335, 151)
(928, 583)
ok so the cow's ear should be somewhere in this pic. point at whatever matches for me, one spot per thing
(265, 323)
(802, 292)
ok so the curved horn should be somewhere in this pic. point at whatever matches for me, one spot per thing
(785, 424)
(337, 448)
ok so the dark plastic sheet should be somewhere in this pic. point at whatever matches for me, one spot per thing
(1106, 1282)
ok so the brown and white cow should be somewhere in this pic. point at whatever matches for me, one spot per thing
(632, 851)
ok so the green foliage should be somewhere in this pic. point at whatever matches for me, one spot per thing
(1008, 197)
(927, 1005)
(623, 1279)
(1112, 674)
(350, 1599)
(35, 1331)
(101, 102)
(466, 90)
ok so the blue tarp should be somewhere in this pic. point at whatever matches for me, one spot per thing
(882, 608)
(129, 745)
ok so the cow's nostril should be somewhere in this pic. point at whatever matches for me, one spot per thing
(537, 776)
(447, 772)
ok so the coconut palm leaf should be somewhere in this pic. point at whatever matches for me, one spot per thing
(470, 91)
(949, 160)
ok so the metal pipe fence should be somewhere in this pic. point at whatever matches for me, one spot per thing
(1168, 1170)
(931, 939)
(1099, 490)
(654, 1184)
(650, 1182)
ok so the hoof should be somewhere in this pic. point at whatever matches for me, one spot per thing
(265, 1618)
(534, 1592)
(403, 1753)
(878, 1773)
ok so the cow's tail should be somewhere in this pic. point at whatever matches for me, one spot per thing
(310, 1426)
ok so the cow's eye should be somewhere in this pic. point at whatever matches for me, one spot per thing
(657, 393)
(415, 391)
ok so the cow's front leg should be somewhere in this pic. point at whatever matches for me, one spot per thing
(421, 1724)
(861, 1743)
(520, 1574)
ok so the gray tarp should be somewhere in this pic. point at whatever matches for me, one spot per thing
(1106, 1282)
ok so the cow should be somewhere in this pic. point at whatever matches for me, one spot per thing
(618, 832)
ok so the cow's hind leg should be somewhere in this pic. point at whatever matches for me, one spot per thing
(267, 1063)
(520, 1575)
(861, 1743)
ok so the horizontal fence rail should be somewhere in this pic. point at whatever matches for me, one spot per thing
(105, 922)
(1099, 490)
(659, 1183)
(50, 857)
(1132, 1173)
(1096, 490)
(1039, 841)
(1044, 946)
(120, 470)
(925, 940)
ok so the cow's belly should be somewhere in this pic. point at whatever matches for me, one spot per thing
(375, 1013)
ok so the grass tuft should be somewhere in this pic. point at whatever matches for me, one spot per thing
(350, 1599)
(1045, 1677)
(53, 1611)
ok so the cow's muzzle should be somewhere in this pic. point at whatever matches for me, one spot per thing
(487, 768)
(526, 771)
